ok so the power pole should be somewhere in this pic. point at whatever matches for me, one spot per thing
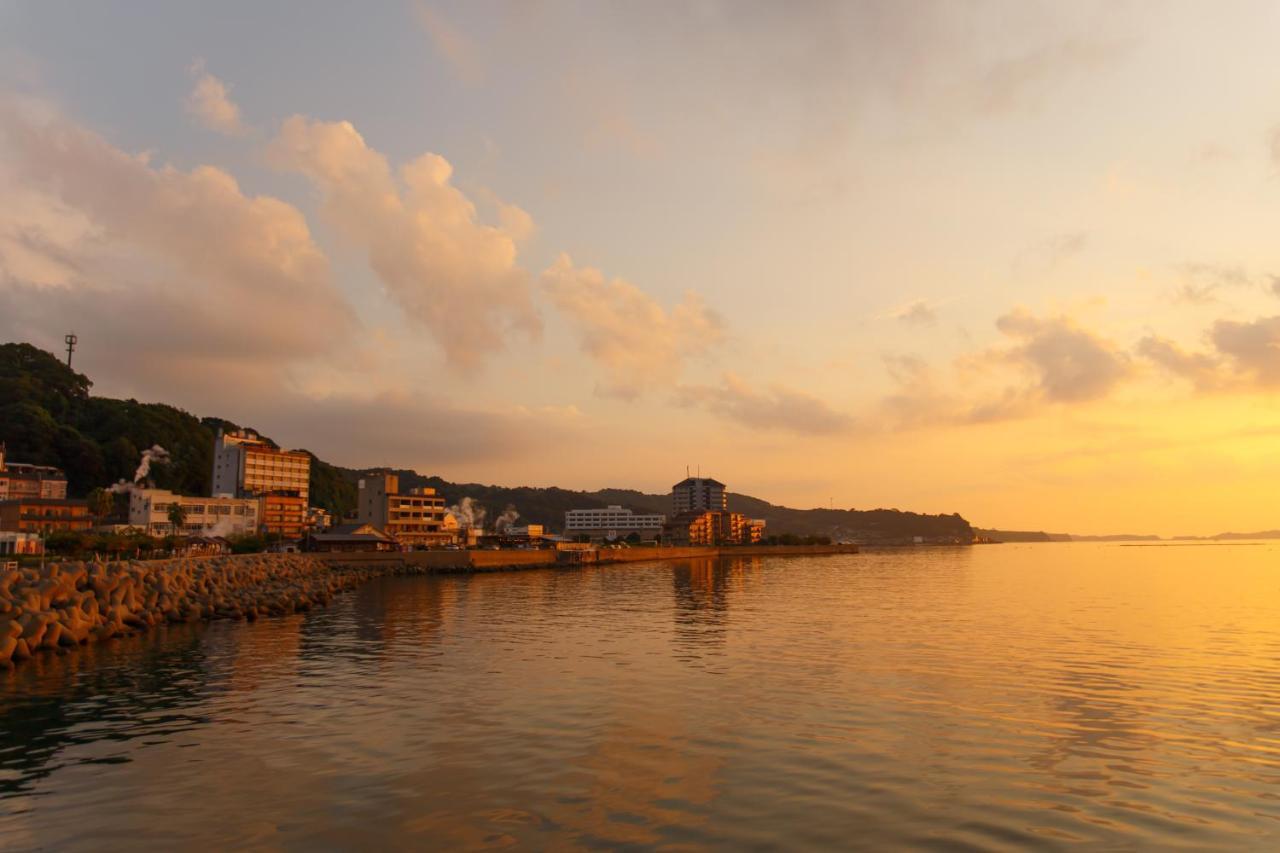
(71, 340)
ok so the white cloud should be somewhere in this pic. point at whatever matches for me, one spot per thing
(170, 272)
(453, 274)
(210, 102)
(639, 344)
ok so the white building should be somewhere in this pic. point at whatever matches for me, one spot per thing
(246, 466)
(217, 516)
(610, 522)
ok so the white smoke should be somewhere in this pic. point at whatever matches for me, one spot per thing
(469, 513)
(508, 518)
(154, 455)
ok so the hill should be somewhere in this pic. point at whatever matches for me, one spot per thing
(49, 417)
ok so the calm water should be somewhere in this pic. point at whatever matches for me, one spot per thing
(991, 697)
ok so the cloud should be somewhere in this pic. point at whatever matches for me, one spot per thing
(639, 344)
(163, 271)
(210, 103)
(771, 408)
(1274, 145)
(449, 272)
(1071, 364)
(1253, 347)
(917, 313)
(1201, 369)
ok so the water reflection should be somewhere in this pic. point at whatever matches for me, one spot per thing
(955, 697)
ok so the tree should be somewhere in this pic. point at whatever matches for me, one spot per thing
(177, 516)
(101, 502)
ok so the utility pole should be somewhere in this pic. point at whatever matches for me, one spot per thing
(71, 340)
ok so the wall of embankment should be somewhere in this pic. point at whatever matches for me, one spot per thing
(490, 561)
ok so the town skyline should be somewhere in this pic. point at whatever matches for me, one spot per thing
(1025, 284)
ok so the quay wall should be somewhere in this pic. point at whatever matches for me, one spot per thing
(487, 561)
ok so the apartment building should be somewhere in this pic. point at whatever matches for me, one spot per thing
(698, 494)
(414, 519)
(712, 528)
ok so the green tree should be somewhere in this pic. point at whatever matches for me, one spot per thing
(177, 516)
(101, 502)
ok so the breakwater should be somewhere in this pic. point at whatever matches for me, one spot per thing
(66, 605)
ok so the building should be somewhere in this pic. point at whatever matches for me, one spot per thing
(414, 519)
(698, 494)
(13, 543)
(712, 528)
(611, 522)
(352, 537)
(20, 480)
(283, 514)
(44, 515)
(319, 518)
(215, 516)
(246, 466)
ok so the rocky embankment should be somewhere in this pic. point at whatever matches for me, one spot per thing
(66, 605)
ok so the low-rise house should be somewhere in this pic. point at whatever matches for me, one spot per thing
(352, 537)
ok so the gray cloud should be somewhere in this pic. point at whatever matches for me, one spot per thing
(771, 408)
(1071, 363)
(1253, 347)
(1201, 369)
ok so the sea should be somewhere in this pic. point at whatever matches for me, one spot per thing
(993, 697)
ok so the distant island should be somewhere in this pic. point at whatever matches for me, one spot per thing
(51, 418)
(1041, 536)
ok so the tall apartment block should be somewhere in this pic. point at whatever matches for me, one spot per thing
(701, 494)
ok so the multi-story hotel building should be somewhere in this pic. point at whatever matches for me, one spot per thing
(611, 522)
(245, 466)
(414, 519)
(44, 515)
(698, 493)
(214, 516)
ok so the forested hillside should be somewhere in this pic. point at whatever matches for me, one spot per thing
(48, 417)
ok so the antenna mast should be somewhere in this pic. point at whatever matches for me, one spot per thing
(71, 341)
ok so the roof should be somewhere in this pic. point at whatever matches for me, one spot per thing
(352, 533)
(698, 481)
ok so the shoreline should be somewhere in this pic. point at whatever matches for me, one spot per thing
(63, 606)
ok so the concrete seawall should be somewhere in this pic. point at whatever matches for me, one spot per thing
(445, 562)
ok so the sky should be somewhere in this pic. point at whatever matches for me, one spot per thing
(1015, 260)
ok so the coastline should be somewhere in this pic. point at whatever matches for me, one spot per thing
(63, 606)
